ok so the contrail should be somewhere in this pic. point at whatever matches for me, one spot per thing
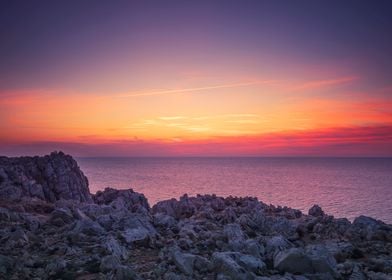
(183, 90)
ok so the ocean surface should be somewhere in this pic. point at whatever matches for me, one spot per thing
(343, 187)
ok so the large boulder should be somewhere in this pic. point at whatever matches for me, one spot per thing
(224, 263)
(122, 199)
(322, 260)
(184, 261)
(371, 229)
(184, 208)
(315, 259)
(50, 178)
(293, 260)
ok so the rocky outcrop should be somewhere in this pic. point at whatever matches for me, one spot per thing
(114, 234)
(121, 199)
(50, 178)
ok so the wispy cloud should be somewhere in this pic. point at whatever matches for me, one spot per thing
(228, 116)
(317, 84)
(195, 89)
(197, 128)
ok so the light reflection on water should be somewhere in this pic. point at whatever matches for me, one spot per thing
(343, 187)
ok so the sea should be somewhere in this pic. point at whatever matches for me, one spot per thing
(343, 187)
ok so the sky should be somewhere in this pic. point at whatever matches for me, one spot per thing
(196, 78)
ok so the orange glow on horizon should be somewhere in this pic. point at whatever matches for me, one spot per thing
(258, 117)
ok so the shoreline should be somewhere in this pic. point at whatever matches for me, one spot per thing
(52, 227)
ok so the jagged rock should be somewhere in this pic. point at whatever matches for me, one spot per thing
(184, 208)
(225, 264)
(202, 264)
(357, 274)
(109, 263)
(276, 244)
(50, 178)
(88, 227)
(122, 199)
(61, 217)
(341, 251)
(4, 214)
(316, 211)
(293, 260)
(55, 267)
(93, 211)
(138, 235)
(322, 261)
(106, 221)
(371, 229)
(164, 221)
(184, 261)
(234, 235)
(315, 259)
(30, 222)
(253, 248)
(125, 273)
(251, 263)
(6, 264)
(18, 238)
(115, 248)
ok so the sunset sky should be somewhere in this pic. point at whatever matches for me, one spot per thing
(196, 78)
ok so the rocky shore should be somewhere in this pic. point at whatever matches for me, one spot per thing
(51, 227)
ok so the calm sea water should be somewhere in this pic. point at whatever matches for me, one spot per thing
(343, 187)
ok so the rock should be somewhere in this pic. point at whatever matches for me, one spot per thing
(184, 262)
(234, 232)
(4, 215)
(341, 251)
(106, 221)
(6, 264)
(122, 199)
(138, 235)
(202, 264)
(109, 263)
(371, 229)
(94, 211)
(293, 260)
(225, 264)
(322, 261)
(380, 264)
(18, 238)
(60, 217)
(357, 274)
(88, 227)
(184, 208)
(55, 268)
(172, 276)
(276, 244)
(252, 264)
(113, 247)
(316, 259)
(253, 248)
(125, 273)
(31, 222)
(316, 211)
(50, 178)
(164, 221)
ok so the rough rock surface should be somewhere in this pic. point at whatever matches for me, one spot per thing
(64, 232)
(50, 178)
